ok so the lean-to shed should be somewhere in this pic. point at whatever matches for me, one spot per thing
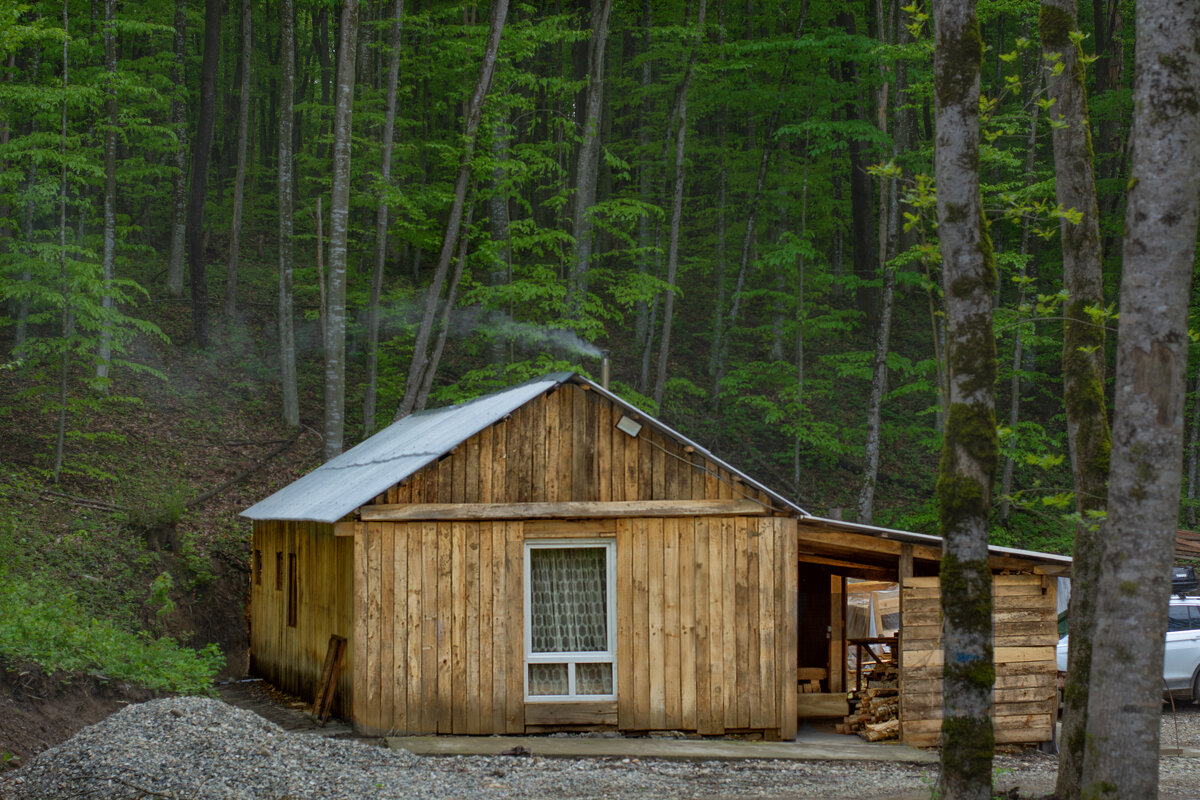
(548, 557)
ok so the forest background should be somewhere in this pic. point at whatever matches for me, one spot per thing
(236, 238)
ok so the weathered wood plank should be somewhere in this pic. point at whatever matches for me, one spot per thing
(789, 594)
(397, 612)
(374, 581)
(625, 622)
(595, 713)
(429, 628)
(500, 653)
(486, 634)
(571, 528)
(641, 626)
(604, 476)
(487, 458)
(386, 601)
(446, 595)
(553, 448)
(687, 622)
(515, 634)
(537, 447)
(672, 650)
(460, 582)
(754, 638)
(731, 610)
(741, 594)
(561, 510)
(701, 614)
(414, 694)
(567, 490)
(470, 581)
(768, 677)
(360, 622)
(657, 643)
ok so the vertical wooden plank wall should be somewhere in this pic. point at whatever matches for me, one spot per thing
(291, 657)
(446, 654)
(1025, 620)
(677, 617)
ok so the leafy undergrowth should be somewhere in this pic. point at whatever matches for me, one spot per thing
(42, 625)
(134, 565)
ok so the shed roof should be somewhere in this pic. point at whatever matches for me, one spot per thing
(342, 484)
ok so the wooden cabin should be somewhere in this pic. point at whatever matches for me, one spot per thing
(550, 558)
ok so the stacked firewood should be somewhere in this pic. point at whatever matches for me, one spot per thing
(876, 714)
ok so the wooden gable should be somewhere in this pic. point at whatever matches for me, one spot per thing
(564, 446)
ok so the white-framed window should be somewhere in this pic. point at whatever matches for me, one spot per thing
(570, 620)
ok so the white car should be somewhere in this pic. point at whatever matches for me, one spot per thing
(1181, 660)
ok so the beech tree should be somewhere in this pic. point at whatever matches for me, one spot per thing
(1083, 358)
(339, 212)
(969, 449)
(1121, 759)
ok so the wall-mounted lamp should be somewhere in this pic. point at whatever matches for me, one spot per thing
(629, 426)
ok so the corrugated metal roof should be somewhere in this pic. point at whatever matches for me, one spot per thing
(931, 541)
(345, 482)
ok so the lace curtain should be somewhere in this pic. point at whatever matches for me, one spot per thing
(569, 603)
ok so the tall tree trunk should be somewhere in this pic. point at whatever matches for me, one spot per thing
(239, 181)
(381, 216)
(179, 181)
(108, 259)
(889, 210)
(1083, 361)
(339, 229)
(1121, 759)
(474, 112)
(664, 345)
(66, 318)
(968, 464)
(287, 194)
(201, 152)
(587, 166)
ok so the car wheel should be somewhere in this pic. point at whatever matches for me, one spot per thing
(1196, 688)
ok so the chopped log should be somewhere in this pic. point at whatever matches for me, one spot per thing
(327, 684)
(882, 731)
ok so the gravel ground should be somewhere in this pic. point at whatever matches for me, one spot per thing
(196, 749)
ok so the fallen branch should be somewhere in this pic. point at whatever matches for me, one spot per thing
(88, 502)
(241, 476)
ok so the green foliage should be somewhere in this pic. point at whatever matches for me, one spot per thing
(45, 625)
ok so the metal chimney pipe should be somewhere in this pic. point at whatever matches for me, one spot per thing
(605, 368)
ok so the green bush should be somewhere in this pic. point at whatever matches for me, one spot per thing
(45, 625)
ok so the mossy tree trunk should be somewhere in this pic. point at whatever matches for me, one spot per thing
(396, 13)
(1125, 691)
(1083, 359)
(968, 464)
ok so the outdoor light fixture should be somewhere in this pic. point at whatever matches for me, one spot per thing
(629, 426)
